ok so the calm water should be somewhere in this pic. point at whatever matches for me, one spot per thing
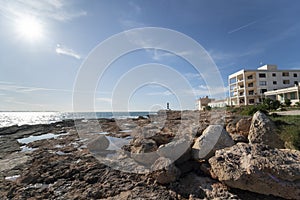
(21, 118)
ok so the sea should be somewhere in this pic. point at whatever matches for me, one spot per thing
(30, 118)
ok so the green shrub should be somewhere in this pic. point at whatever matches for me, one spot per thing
(287, 102)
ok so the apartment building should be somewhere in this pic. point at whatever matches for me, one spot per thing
(247, 87)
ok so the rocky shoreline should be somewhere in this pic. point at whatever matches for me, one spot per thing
(173, 155)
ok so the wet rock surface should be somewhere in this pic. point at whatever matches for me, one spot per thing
(116, 165)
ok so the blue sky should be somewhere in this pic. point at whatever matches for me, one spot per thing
(45, 43)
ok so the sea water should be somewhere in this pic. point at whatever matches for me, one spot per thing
(21, 118)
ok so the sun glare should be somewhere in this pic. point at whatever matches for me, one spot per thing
(29, 28)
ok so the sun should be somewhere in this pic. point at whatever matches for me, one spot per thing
(29, 28)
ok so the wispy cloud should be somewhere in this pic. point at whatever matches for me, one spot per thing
(62, 50)
(104, 99)
(221, 56)
(8, 86)
(215, 92)
(128, 23)
(135, 7)
(163, 93)
(192, 76)
(54, 9)
(159, 54)
(242, 27)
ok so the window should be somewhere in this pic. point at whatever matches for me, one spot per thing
(274, 82)
(250, 84)
(232, 80)
(251, 101)
(273, 74)
(295, 75)
(293, 95)
(285, 74)
(262, 75)
(263, 91)
(262, 83)
(250, 77)
(286, 81)
(296, 82)
(251, 92)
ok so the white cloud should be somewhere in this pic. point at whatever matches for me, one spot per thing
(104, 99)
(192, 76)
(54, 9)
(165, 93)
(159, 54)
(62, 50)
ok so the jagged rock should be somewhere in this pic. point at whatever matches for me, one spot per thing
(177, 150)
(144, 151)
(214, 137)
(259, 168)
(165, 171)
(243, 126)
(199, 187)
(98, 144)
(263, 130)
(231, 128)
(239, 138)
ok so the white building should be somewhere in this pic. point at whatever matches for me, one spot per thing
(291, 93)
(219, 103)
(247, 87)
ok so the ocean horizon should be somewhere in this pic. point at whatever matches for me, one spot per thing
(10, 118)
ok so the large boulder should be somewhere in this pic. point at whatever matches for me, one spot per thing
(263, 130)
(177, 150)
(259, 168)
(243, 126)
(214, 137)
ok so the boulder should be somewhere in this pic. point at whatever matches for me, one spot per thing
(214, 137)
(239, 138)
(144, 151)
(243, 126)
(165, 171)
(259, 168)
(100, 143)
(231, 128)
(177, 150)
(263, 130)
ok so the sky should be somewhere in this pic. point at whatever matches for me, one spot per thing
(47, 46)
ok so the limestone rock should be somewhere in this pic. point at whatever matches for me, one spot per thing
(230, 128)
(243, 126)
(263, 130)
(98, 144)
(214, 137)
(144, 151)
(259, 168)
(165, 171)
(176, 150)
(239, 138)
